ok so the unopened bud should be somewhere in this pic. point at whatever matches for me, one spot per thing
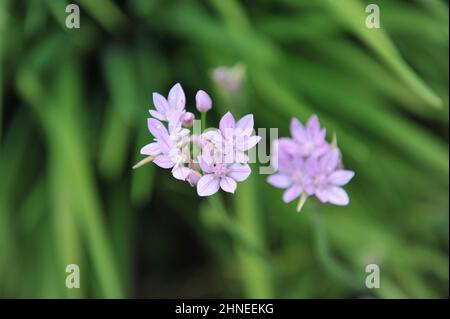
(187, 119)
(203, 101)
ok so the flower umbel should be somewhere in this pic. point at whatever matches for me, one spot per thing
(307, 165)
(221, 161)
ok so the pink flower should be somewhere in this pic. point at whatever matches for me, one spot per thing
(229, 79)
(223, 158)
(170, 149)
(310, 139)
(233, 139)
(221, 175)
(325, 178)
(307, 165)
(172, 108)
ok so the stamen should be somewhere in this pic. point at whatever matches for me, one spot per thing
(301, 202)
(146, 160)
(334, 141)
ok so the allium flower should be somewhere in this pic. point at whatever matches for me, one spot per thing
(170, 149)
(307, 165)
(221, 175)
(325, 178)
(222, 160)
(233, 138)
(172, 108)
(311, 139)
(229, 78)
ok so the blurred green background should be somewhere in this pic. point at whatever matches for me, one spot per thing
(73, 109)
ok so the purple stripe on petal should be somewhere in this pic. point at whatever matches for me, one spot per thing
(208, 185)
(204, 165)
(227, 121)
(239, 172)
(151, 149)
(160, 103)
(177, 99)
(157, 115)
(228, 184)
(163, 161)
(246, 122)
(180, 172)
(164, 142)
(156, 127)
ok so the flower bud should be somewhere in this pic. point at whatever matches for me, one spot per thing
(203, 101)
(187, 119)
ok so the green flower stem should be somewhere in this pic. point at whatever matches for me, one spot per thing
(245, 230)
(328, 261)
(203, 119)
(255, 272)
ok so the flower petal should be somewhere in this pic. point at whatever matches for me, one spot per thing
(160, 103)
(177, 99)
(312, 166)
(180, 172)
(248, 142)
(320, 149)
(341, 177)
(246, 122)
(193, 177)
(240, 157)
(205, 165)
(165, 143)
(322, 195)
(337, 195)
(297, 130)
(320, 136)
(239, 172)
(228, 184)
(163, 161)
(157, 115)
(226, 122)
(208, 185)
(151, 149)
(279, 180)
(329, 161)
(313, 126)
(156, 127)
(292, 193)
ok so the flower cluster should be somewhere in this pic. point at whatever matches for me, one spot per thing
(211, 160)
(307, 165)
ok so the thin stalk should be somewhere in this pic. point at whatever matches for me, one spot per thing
(326, 258)
(255, 273)
(203, 119)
